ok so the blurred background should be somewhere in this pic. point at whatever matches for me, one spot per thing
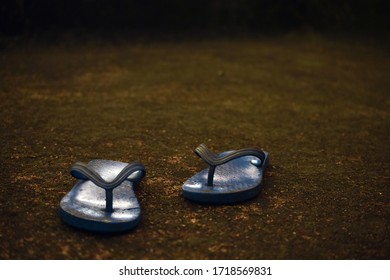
(259, 16)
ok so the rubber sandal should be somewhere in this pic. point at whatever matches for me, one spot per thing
(232, 176)
(103, 199)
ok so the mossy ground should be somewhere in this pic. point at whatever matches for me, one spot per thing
(319, 106)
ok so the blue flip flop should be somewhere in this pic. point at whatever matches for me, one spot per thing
(238, 177)
(103, 199)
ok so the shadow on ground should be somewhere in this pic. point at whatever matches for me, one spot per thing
(318, 105)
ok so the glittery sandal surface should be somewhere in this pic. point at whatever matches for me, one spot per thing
(232, 176)
(103, 199)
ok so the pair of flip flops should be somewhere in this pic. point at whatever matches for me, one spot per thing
(103, 199)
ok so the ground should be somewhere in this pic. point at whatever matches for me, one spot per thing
(318, 105)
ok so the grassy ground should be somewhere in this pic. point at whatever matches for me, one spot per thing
(319, 106)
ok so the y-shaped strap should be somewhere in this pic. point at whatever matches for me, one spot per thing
(214, 160)
(133, 172)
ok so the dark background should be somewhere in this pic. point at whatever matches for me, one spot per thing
(259, 16)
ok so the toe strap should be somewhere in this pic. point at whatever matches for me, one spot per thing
(214, 160)
(132, 172)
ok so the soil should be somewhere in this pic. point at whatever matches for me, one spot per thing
(318, 105)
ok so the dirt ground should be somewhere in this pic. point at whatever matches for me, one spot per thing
(318, 105)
